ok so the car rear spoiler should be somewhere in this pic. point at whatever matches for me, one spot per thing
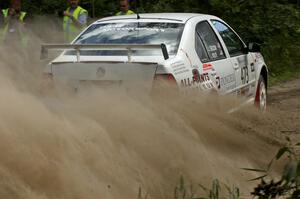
(78, 47)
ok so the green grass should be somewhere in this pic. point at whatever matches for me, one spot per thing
(279, 77)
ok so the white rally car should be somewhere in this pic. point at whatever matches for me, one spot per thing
(195, 51)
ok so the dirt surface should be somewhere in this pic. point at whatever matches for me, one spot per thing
(102, 144)
(284, 102)
(282, 117)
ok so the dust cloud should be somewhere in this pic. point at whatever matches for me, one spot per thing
(106, 144)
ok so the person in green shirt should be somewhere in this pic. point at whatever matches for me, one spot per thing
(124, 7)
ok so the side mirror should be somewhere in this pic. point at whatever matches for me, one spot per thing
(245, 50)
(253, 47)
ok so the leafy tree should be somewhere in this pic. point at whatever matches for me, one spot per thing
(272, 23)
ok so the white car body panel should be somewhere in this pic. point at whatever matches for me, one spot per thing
(238, 75)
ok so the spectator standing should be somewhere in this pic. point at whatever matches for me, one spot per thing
(1, 19)
(124, 7)
(13, 24)
(74, 21)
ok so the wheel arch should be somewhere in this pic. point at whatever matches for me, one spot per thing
(264, 73)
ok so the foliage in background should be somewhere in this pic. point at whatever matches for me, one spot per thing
(289, 184)
(273, 23)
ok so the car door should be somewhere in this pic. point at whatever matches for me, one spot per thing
(213, 58)
(242, 61)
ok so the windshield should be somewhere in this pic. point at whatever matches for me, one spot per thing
(132, 33)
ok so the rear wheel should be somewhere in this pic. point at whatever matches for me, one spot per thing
(261, 94)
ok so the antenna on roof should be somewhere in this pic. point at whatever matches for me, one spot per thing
(137, 16)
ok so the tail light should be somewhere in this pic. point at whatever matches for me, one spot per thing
(168, 78)
(165, 85)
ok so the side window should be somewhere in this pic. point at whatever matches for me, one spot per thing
(201, 50)
(207, 39)
(233, 43)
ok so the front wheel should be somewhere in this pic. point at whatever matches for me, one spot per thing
(261, 94)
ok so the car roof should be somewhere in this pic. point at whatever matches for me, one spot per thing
(179, 17)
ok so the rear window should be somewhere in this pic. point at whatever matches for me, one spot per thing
(132, 33)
